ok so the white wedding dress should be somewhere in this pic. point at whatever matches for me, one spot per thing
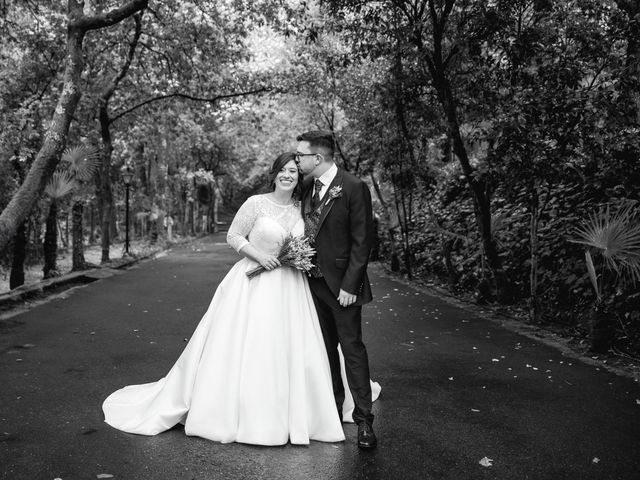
(255, 369)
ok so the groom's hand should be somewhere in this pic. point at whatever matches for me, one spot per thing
(345, 298)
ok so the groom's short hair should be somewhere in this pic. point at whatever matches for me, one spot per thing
(321, 140)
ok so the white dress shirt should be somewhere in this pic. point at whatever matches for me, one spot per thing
(326, 178)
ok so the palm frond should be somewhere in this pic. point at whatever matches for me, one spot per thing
(593, 276)
(83, 161)
(616, 236)
(60, 185)
(499, 221)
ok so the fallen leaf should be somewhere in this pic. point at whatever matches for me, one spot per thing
(486, 462)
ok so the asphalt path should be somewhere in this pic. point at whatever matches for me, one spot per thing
(462, 397)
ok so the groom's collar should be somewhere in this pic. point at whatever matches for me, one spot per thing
(327, 177)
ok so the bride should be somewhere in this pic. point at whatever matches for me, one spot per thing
(255, 370)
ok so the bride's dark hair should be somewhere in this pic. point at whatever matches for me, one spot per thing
(280, 162)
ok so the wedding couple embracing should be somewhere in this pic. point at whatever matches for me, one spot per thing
(278, 357)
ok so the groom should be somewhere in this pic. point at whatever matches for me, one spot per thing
(336, 207)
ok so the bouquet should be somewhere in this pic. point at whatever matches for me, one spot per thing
(295, 252)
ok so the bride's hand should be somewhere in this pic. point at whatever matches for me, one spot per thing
(269, 262)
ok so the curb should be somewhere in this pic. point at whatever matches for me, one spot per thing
(22, 293)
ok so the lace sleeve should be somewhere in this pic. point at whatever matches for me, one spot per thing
(242, 224)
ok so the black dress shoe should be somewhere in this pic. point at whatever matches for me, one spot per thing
(366, 437)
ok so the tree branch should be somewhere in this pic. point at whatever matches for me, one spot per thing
(86, 23)
(451, 54)
(448, 6)
(188, 97)
(127, 63)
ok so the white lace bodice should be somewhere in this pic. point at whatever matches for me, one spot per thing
(264, 223)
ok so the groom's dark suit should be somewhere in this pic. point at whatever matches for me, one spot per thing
(341, 230)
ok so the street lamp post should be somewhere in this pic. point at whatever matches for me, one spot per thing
(127, 176)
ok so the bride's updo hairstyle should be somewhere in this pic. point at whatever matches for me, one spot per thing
(280, 162)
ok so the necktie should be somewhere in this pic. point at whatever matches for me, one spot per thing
(315, 200)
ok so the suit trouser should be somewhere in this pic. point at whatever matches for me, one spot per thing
(343, 325)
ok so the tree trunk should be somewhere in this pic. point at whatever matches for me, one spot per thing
(393, 250)
(55, 138)
(452, 273)
(478, 187)
(66, 229)
(533, 268)
(404, 225)
(54, 143)
(77, 256)
(602, 334)
(192, 218)
(106, 193)
(629, 102)
(19, 254)
(50, 247)
(92, 222)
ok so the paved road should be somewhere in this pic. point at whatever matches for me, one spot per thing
(456, 389)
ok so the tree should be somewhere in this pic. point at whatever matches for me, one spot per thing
(78, 25)
(60, 185)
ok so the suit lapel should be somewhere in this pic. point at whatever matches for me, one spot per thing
(306, 199)
(327, 201)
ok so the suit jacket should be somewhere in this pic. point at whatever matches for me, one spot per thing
(343, 234)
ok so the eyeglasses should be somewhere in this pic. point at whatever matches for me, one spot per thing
(300, 155)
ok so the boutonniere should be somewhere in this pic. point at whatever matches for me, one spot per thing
(335, 192)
